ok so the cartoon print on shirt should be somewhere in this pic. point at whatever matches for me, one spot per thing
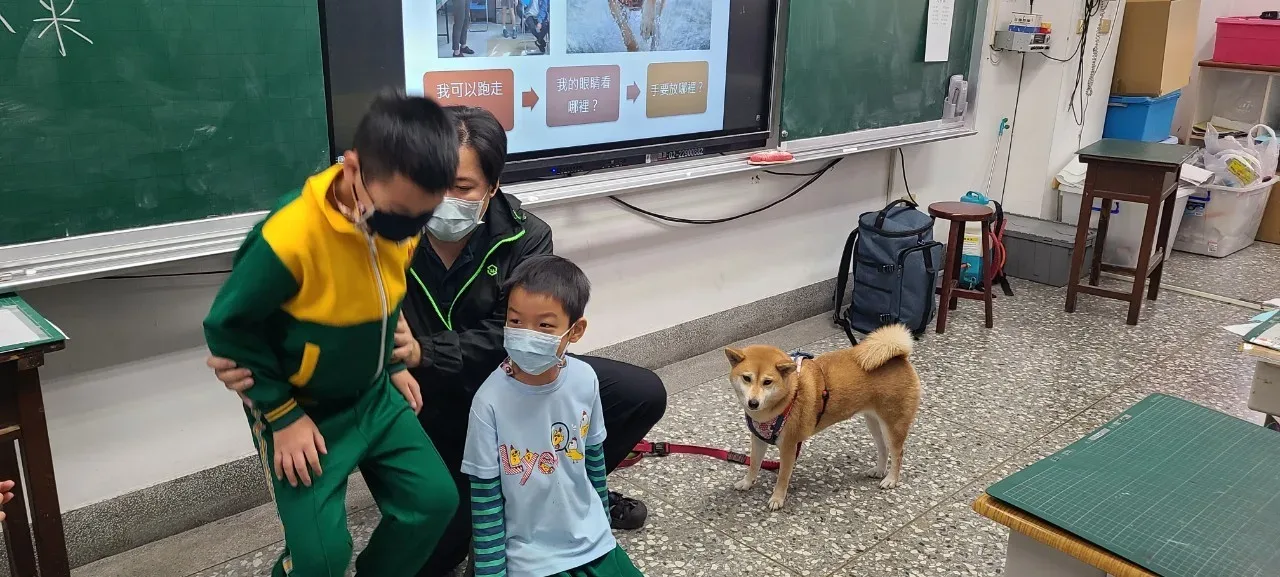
(511, 459)
(559, 436)
(525, 462)
(572, 452)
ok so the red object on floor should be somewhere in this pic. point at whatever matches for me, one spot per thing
(771, 157)
(649, 449)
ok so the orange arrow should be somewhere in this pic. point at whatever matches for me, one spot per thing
(529, 99)
(633, 92)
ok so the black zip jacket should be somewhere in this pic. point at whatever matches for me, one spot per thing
(457, 315)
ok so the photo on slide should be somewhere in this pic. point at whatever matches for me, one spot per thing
(493, 27)
(596, 26)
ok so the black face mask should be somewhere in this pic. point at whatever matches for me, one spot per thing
(392, 226)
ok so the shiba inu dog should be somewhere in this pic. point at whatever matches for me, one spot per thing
(788, 400)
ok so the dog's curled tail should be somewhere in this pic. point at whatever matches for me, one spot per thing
(883, 345)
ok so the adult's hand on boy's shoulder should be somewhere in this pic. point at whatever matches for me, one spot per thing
(235, 378)
(6, 494)
(407, 349)
(298, 450)
(408, 386)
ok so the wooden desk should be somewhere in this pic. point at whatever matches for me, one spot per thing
(22, 420)
(1166, 487)
(1039, 549)
(1138, 172)
(1264, 395)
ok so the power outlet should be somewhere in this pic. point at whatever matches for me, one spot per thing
(1104, 26)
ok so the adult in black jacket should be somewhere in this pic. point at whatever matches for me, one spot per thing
(454, 311)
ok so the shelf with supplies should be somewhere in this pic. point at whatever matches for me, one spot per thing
(1234, 97)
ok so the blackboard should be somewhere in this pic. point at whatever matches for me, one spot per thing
(117, 114)
(859, 64)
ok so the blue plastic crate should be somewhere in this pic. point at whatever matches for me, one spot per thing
(1140, 117)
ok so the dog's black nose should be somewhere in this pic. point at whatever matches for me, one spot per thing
(753, 404)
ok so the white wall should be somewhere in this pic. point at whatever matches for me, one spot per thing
(1044, 134)
(130, 403)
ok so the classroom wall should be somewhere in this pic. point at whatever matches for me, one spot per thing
(131, 405)
(1045, 134)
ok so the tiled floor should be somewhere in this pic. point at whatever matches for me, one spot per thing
(995, 400)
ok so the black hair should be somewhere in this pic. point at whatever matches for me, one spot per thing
(480, 129)
(410, 136)
(556, 277)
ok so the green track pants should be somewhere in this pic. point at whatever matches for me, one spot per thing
(614, 564)
(409, 483)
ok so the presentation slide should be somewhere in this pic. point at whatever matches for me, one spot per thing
(566, 73)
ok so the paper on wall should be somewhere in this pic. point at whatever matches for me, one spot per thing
(937, 32)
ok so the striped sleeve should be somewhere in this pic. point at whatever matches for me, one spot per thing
(596, 472)
(488, 527)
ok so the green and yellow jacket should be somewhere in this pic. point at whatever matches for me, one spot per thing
(310, 307)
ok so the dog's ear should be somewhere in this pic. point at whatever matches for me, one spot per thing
(735, 356)
(785, 368)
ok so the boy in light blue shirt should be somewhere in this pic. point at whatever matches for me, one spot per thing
(538, 497)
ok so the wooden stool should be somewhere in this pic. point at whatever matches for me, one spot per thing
(959, 214)
(38, 537)
(1144, 173)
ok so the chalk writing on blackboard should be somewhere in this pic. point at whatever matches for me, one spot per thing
(58, 21)
(6, 25)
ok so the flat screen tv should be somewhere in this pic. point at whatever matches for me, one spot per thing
(580, 85)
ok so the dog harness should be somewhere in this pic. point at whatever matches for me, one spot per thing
(769, 431)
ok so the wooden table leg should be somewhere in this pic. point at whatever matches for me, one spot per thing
(17, 528)
(1077, 255)
(51, 543)
(988, 271)
(957, 265)
(1162, 244)
(1144, 262)
(955, 236)
(1104, 223)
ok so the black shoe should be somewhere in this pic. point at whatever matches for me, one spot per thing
(626, 514)
(468, 51)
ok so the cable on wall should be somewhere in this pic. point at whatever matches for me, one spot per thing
(813, 177)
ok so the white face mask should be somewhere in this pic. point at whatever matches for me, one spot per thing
(455, 218)
(532, 351)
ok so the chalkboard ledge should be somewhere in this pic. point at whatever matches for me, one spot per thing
(33, 265)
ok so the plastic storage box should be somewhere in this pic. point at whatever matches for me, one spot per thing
(1124, 232)
(1220, 221)
(1140, 117)
(1040, 250)
(1248, 40)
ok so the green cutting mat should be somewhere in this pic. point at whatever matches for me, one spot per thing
(1172, 486)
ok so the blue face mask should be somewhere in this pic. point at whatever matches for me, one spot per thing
(455, 218)
(532, 351)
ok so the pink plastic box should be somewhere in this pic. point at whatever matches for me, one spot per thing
(1248, 40)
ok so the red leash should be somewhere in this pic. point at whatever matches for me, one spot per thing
(650, 449)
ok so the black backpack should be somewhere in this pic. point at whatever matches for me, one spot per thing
(895, 264)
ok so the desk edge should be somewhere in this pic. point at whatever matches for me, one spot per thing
(1043, 532)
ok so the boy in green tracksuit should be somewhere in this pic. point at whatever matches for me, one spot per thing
(310, 308)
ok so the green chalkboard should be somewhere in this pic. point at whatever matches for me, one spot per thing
(859, 64)
(117, 114)
(1182, 490)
